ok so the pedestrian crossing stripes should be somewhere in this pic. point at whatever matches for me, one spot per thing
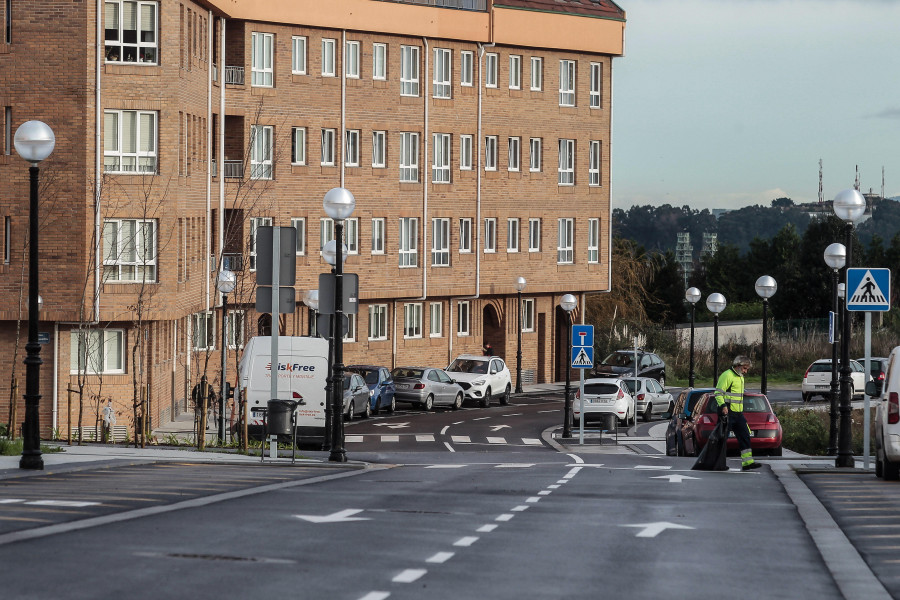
(428, 437)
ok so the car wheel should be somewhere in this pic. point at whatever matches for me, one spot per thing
(891, 471)
(504, 399)
(852, 392)
(662, 380)
(429, 402)
(879, 465)
(486, 401)
(806, 396)
(457, 404)
(647, 414)
(392, 406)
(368, 412)
(671, 408)
(350, 411)
(377, 408)
(775, 451)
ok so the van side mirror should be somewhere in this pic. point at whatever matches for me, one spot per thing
(873, 388)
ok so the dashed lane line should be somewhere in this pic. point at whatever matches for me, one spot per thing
(466, 541)
(409, 575)
(440, 557)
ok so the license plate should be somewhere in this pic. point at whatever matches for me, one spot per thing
(823, 387)
(752, 434)
(402, 386)
(256, 413)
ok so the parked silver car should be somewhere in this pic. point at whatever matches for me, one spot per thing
(652, 398)
(356, 397)
(426, 387)
(817, 379)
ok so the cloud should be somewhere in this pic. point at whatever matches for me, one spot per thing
(888, 113)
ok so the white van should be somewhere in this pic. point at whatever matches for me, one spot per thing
(302, 368)
(887, 420)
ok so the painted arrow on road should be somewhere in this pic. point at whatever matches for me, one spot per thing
(342, 516)
(654, 529)
(392, 425)
(499, 427)
(674, 478)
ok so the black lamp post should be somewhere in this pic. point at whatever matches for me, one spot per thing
(225, 285)
(765, 288)
(692, 295)
(849, 205)
(339, 204)
(520, 285)
(835, 258)
(568, 304)
(34, 142)
(716, 304)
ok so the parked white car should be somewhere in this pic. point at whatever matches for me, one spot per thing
(887, 420)
(817, 380)
(604, 396)
(651, 397)
(482, 377)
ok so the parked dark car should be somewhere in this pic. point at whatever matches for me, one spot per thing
(877, 368)
(621, 364)
(381, 386)
(765, 429)
(680, 432)
(356, 397)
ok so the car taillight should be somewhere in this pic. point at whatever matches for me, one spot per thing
(705, 420)
(770, 418)
(620, 395)
(640, 397)
(805, 375)
(893, 408)
(577, 394)
(880, 377)
(419, 386)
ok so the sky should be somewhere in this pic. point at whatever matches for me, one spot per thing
(731, 103)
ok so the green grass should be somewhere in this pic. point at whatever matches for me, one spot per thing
(10, 447)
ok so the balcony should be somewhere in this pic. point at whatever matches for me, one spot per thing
(479, 5)
(234, 169)
(234, 75)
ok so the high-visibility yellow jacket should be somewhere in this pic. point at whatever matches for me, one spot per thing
(732, 384)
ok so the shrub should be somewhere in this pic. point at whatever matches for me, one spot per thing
(806, 431)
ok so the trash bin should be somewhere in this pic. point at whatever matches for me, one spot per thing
(278, 418)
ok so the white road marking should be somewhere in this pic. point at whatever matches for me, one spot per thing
(512, 415)
(449, 447)
(504, 517)
(350, 439)
(466, 541)
(553, 487)
(653, 467)
(444, 430)
(392, 425)
(486, 528)
(12, 500)
(514, 465)
(390, 438)
(545, 492)
(409, 575)
(457, 423)
(481, 418)
(376, 596)
(654, 529)
(460, 439)
(533, 499)
(519, 508)
(549, 411)
(496, 440)
(446, 466)
(563, 481)
(499, 427)
(66, 503)
(532, 442)
(576, 458)
(341, 516)
(440, 557)
(674, 478)
(572, 473)
(425, 438)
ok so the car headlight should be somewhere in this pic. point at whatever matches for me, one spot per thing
(479, 382)
(371, 393)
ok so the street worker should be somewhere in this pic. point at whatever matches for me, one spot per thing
(730, 398)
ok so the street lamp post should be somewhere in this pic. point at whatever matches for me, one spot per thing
(835, 258)
(339, 204)
(765, 289)
(692, 295)
(716, 304)
(568, 303)
(225, 285)
(520, 285)
(34, 142)
(849, 205)
(330, 254)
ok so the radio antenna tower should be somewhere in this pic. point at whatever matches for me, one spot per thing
(821, 199)
(882, 181)
(856, 183)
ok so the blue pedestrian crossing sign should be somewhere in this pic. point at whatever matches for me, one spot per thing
(868, 289)
(582, 346)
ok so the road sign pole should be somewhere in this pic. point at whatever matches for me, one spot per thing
(581, 406)
(276, 272)
(868, 349)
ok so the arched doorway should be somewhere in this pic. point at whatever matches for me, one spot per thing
(264, 325)
(493, 331)
(561, 354)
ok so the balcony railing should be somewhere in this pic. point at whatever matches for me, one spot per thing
(480, 5)
(234, 75)
(234, 169)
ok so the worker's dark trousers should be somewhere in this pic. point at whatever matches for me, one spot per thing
(737, 423)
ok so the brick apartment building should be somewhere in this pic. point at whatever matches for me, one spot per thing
(475, 136)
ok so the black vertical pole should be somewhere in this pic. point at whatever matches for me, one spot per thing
(337, 441)
(222, 391)
(715, 349)
(691, 372)
(519, 349)
(31, 442)
(765, 349)
(833, 417)
(845, 454)
(329, 385)
(567, 423)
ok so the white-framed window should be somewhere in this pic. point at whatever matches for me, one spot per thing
(409, 241)
(299, 223)
(594, 163)
(596, 85)
(95, 351)
(131, 31)
(535, 155)
(378, 323)
(326, 231)
(262, 73)
(409, 157)
(379, 61)
(203, 330)
(328, 57)
(466, 69)
(537, 74)
(440, 164)
(465, 153)
(351, 235)
(534, 235)
(378, 235)
(527, 314)
(490, 235)
(463, 318)
(351, 147)
(567, 83)
(350, 336)
(440, 242)
(465, 235)
(256, 223)
(351, 59)
(328, 150)
(436, 319)
(409, 70)
(443, 59)
(234, 329)
(490, 153)
(412, 320)
(298, 55)
(129, 141)
(298, 145)
(515, 154)
(379, 149)
(566, 169)
(129, 250)
(515, 72)
(261, 151)
(490, 70)
(593, 240)
(512, 235)
(564, 254)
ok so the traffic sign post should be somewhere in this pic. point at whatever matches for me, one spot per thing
(582, 357)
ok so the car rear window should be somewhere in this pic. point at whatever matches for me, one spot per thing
(403, 372)
(820, 368)
(751, 404)
(601, 389)
(479, 367)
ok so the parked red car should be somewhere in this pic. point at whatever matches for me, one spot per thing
(765, 429)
